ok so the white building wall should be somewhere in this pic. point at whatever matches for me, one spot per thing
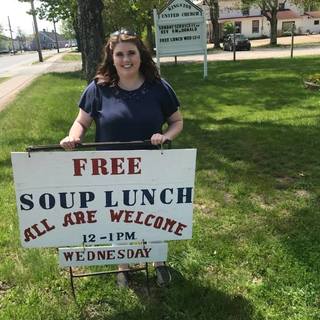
(309, 25)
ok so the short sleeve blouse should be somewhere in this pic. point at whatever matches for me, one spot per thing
(122, 115)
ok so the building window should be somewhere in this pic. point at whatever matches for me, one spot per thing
(245, 11)
(237, 26)
(316, 22)
(281, 6)
(287, 27)
(255, 26)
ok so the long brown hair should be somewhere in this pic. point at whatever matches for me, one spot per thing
(107, 73)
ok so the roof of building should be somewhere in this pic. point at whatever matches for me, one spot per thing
(313, 14)
(287, 14)
(51, 36)
(239, 17)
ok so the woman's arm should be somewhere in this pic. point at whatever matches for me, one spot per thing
(175, 126)
(77, 131)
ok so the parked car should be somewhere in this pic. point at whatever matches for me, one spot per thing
(241, 42)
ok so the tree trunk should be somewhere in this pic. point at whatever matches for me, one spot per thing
(216, 31)
(212, 22)
(214, 16)
(151, 44)
(273, 28)
(75, 25)
(91, 35)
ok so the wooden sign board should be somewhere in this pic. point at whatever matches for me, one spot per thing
(104, 197)
(107, 255)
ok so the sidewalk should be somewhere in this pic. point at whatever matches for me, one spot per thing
(10, 88)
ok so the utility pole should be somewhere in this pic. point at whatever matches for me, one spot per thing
(12, 43)
(55, 34)
(36, 30)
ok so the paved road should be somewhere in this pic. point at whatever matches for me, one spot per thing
(11, 64)
(23, 74)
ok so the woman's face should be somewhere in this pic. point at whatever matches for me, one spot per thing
(126, 59)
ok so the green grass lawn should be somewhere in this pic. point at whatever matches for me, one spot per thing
(255, 252)
(72, 57)
(3, 79)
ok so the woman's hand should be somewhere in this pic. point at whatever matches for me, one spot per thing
(158, 138)
(69, 143)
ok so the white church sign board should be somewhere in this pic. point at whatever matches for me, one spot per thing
(180, 29)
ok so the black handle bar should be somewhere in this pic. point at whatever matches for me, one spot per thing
(145, 143)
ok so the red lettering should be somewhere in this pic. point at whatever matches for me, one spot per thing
(99, 166)
(91, 216)
(78, 164)
(67, 220)
(128, 216)
(137, 220)
(116, 216)
(116, 165)
(79, 217)
(28, 235)
(44, 222)
(158, 222)
(134, 165)
(149, 217)
(180, 227)
(169, 223)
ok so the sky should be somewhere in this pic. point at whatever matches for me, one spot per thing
(19, 18)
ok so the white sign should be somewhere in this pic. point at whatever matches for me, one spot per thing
(104, 197)
(180, 29)
(94, 256)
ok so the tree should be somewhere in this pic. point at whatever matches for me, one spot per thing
(33, 12)
(91, 34)
(144, 9)
(308, 5)
(67, 29)
(135, 15)
(66, 10)
(21, 37)
(269, 9)
(214, 18)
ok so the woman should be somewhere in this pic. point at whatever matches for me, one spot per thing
(128, 101)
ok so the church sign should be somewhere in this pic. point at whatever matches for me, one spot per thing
(181, 30)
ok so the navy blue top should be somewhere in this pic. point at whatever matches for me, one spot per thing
(122, 115)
